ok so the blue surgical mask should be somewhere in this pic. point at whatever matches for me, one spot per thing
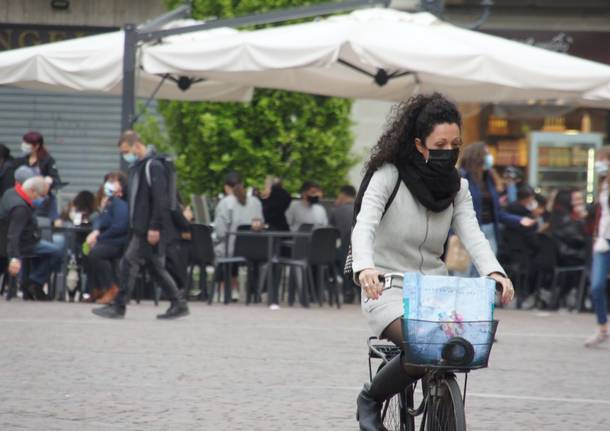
(109, 189)
(38, 202)
(26, 148)
(130, 158)
(488, 162)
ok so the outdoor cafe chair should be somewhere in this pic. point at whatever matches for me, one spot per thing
(550, 269)
(320, 254)
(254, 250)
(203, 255)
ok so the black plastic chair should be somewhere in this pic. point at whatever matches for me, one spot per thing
(254, 250)
(549, 266)
(142, 281)
(203, 253)
(321, 254)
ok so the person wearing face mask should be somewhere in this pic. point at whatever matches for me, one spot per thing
(601, 252)
(108, 239)
(235, 209)
(36, 157)
(413, 168)
(307, 210)
(20, 235)
(150, 205)
(477, 167)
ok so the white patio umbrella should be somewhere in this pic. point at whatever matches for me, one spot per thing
(95, 64)
(384, 54)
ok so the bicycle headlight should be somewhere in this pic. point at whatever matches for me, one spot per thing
(458, 351)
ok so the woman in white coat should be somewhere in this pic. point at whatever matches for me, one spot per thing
(418, 151)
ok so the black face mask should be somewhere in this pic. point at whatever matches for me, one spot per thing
(443, 161)
(313, 199)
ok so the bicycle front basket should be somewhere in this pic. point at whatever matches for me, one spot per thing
(448, 344)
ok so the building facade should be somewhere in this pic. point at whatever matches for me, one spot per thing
(80, 130)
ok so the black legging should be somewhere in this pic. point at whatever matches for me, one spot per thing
(394, 376)
(100, 259)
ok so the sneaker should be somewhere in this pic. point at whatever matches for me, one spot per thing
(274, 307)
(597, 339)
(110, 311)
(176, 310)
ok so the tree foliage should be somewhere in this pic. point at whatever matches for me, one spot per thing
(291, 135)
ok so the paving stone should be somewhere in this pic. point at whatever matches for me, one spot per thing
(242, 367)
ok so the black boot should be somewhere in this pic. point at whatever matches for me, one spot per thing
(389, 380)
(111, 311)
(177, 309)
(36, 291)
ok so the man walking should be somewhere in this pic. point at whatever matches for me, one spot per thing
(149, 216)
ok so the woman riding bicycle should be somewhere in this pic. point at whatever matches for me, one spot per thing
(417, 153)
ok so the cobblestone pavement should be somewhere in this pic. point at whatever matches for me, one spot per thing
(248, 368)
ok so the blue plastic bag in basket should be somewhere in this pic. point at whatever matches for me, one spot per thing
(455, 303)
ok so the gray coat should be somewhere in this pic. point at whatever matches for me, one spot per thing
(411, 238)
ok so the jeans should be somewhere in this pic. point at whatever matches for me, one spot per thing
(599, 278)
(139, 252)
(48, 257)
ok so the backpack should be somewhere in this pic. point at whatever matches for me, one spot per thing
(348, 271)
(169, 167)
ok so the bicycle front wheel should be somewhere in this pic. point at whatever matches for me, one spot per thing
(446, 411)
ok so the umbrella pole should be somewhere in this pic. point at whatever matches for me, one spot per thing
(129, 77)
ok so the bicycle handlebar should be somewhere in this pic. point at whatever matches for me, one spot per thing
(388, 276)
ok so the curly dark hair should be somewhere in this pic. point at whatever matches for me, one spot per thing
(414, 118)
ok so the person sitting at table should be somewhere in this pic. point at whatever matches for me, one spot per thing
(108, 239)
(307, 210)
(276, 201)
(81, 211)
(20, 235)
(235, 209)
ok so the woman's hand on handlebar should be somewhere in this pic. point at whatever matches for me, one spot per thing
(370, 284)
(507, 286)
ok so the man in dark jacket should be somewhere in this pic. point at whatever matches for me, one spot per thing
(149, 218)
(20, 235)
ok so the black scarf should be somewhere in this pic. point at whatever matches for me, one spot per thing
(435, 187)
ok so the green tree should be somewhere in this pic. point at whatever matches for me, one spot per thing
(291, 135)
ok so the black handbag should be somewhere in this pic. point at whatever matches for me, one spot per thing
(348, 270)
